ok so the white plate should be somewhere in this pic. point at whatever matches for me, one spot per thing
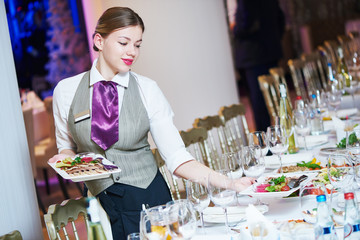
(235, 214)
(82, 178)
(331, 150)
(250, 190)
(312, 141)
(290, 159)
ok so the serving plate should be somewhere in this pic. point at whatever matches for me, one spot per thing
(251, 189)
(82, 178)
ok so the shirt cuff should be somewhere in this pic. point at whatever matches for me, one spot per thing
(178, 159)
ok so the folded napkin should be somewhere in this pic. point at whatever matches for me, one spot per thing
(273, 161)
(312, 141)
(342, 113)
(257, 224)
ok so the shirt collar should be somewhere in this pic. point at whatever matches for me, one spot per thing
(95, 76)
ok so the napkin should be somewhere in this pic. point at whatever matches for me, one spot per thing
(312, 141)
(273, 161)
(256, 222)
(346, 112)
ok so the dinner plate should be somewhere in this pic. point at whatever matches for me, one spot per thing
(289, 159)
(251, 189)
(235, 213)
(82, 178)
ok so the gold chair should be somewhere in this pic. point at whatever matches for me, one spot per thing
(14, 235)
(303, 83)
(216, 136)
(269, 89)
(314, 69)
(236, 127)
(332, 48)
(279, 76)
(64, 215)
(353, 34)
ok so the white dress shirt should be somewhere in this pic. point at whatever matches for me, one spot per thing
(163, 131)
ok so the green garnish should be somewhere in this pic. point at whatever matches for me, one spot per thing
(352, 140)
(276, 181)
(309, 164)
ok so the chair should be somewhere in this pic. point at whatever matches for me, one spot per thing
(170, 180)
(332, 48)
(303, 83)
(236, 127)
(353, 34)
(279, 77)
(269, 89)
(314, 69)
(60, 216)
(216, 136)
(14, 235)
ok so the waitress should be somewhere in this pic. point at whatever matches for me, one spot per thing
(109, 110)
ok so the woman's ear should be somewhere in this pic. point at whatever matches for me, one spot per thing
(98, 41)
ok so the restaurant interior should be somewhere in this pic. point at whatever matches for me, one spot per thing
(191, 46)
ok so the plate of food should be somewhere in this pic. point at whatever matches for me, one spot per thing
(278, 185)
(84, 167)
(235, 214)
(303, 166)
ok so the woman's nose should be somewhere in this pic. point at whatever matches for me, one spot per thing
(131, 51)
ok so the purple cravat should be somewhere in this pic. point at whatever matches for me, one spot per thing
(105, 114)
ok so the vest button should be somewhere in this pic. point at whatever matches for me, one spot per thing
(117, 178)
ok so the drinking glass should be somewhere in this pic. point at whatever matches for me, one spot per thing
(219, 187)
(198, 195)
(153, 222)
(340, 172)
(230, 162)
(278, 141)
(253, 164)
(334, 97)
(133, 236)
(258, 138)
(181, 219)
(302, 125)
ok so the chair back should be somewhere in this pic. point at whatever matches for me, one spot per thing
(353, 34)
(170, 180)
(300, 76)
(61, 215)
(236, 127)
(14, 235)
(314, 70)
(269, 89)
(216, 137)
(279, 76)
(332, 49)
(29, 127)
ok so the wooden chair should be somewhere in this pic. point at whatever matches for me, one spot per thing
(61, 217)
(314, 69)
(332, 49)
(170, 180)
(236, 127)
(279, 76)
(269, 89)
(14, 235)
(216, 136)
(303, 83)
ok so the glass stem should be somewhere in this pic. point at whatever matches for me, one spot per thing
(226, 220)
(279, 156)
(353, 99)
(202, 222)
(305, 143)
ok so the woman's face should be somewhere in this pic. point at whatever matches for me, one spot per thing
(119, 50)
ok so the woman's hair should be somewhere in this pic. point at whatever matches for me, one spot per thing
(115, 18)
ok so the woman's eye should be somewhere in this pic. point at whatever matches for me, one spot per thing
(123, 44)
(138, 46)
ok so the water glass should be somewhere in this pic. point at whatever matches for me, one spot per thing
(230, 161)
(340, 172)
(258, 138)
(278, 141)
(198, 195)
(302, 125)
(153, 223)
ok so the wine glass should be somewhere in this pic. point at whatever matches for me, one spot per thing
(334, 97)
(302, 125)
(340, 172)
(198, 195)
(181, 219)
(230, 162)
(253, 164)
(258, 138)
(219, 186)
(353, 151)
(278, 141)
(153, 223)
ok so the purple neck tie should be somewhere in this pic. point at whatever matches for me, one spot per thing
(105, 114)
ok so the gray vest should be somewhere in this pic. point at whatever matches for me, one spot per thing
(131, 153)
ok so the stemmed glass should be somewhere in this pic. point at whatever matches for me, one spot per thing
(278, 141)
(353, 151)
(219, 187)
(258, 139)
(198, 195)
(230, 162)
(334, 97)
(253, 163)
(181, 219)
(340, 172)
(302, 125)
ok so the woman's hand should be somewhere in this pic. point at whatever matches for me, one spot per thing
(62, 155)
(241, 184)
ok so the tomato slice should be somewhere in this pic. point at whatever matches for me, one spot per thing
(285, 188)
(87, 159)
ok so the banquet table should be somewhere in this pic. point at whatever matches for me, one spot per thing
(279, 209)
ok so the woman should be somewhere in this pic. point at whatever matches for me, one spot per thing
(140, 107)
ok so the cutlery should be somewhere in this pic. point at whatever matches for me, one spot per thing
(295, 182)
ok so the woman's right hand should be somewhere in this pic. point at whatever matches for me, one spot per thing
(62, 155)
